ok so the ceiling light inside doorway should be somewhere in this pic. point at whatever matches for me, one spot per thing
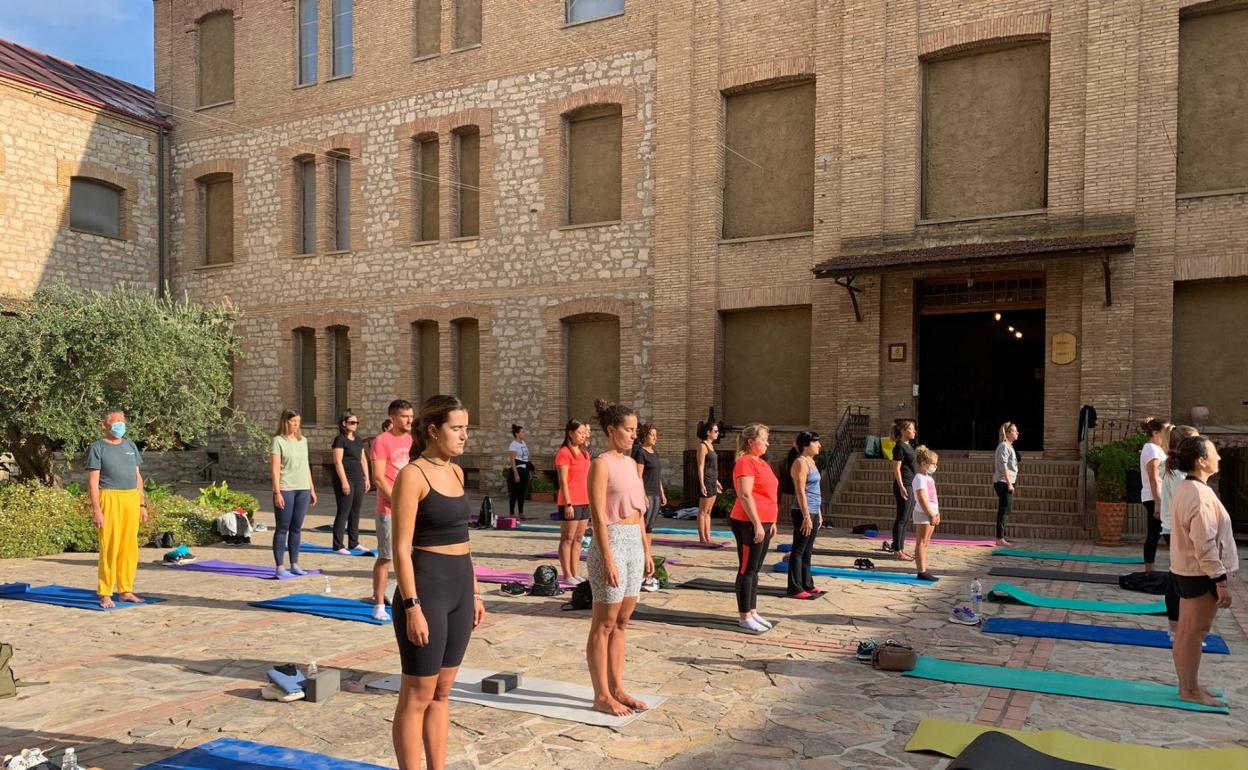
(1018, 335)
(996, 316)
(1011, 328)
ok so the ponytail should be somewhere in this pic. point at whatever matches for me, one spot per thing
(899, 428)
(1151, 425)
(1004, 431)
(1175, 437)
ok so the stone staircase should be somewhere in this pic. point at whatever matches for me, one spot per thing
(1045, 501)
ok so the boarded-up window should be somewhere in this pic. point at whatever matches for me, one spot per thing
(218, 218)
(467, 23)
(468, 181)
(216, 58)
(94, 207)
(428, 27)
(1213, 102)
(1206, 316)
(344, 38)
(766, 374)
(305, 190)
(985, 132)
(769, 161)
(305, 373)
(468, 365)
(588, 10)
(426, 184)
(594, 135)
(342, 199)
(340, 341)
(307, 41)
(593, 362)
(425, 359)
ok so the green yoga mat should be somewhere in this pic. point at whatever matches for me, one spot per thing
(1067, 556)
(951, 738)
(1057, 683)
(1007, 592)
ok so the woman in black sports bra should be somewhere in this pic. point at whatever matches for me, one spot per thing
(437, 602)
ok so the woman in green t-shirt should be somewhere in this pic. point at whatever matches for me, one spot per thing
(292, 490)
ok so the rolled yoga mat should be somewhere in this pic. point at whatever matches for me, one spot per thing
(726, 587)
(1056, 683)
(952, 738)
(859, 554)
(975, 541)
(68, 596)
(310, 548)
(494, 575)
(323, 606)
(1137, 637)
(248, 755)
(998, 751)
(866, 575)
(1054, 574)
(240, 570)
(1092, 557)
(1006, 592)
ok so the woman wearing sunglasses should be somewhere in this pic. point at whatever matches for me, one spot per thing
(351, 482)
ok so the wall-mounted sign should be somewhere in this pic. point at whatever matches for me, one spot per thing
(897, 351)
(1065, 348)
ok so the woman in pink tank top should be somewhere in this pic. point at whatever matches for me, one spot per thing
(618, 558)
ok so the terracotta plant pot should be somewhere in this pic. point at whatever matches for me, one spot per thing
(1109, 518)
(542, 497)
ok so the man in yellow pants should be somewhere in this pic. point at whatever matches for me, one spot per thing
(118, 505)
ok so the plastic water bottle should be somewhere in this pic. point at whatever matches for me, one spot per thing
(328, 589)
(977, 595)
(312, 670)
(69, 761)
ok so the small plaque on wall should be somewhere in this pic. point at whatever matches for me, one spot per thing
(897, 351)
(1065, 348)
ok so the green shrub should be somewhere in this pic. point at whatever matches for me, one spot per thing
(220, 497)
(541, 483)
(190, 522)
(675, 493)
(1111, 462)
(724, 502)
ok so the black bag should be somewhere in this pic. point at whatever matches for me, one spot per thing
(485, 517)
(582, 597)
(545, 581)
(863, 529)
(1145, 582)
(164, 540)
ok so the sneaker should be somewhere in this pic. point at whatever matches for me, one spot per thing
(512, 589)
(802, 595)
(817, 592)
(344, 551)
(864, 564)
(964, 615)
(281, 573)
(752, 625)
(272, 692)
(926, 576)
(866, 649)
(379, 612)
(650, 584)
(295, 569)
(259, 527)
(577, 580)
(762, 621)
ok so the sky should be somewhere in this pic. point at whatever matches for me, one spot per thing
(111, 36)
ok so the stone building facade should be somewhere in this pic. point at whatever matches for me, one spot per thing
(808, 205)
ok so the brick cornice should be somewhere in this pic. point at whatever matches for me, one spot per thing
(1002, 29)
(196, 10)
(773, 71)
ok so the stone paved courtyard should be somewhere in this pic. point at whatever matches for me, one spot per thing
(135, 686)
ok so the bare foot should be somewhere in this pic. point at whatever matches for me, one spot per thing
(1003, 542)
(107, 602)
(1211, 694)
(129, 596)
(611, 706)
(1148, 568)
(904, 556)
(630, 701)
(1200, 696)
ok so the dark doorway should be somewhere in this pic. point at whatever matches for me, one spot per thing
(978, 370)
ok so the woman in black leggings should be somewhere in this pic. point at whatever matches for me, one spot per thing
(437, 602)
(521, 470)
(1152, 462)
(904, 432)
(753, 520)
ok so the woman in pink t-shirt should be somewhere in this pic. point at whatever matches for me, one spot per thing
(572, 463)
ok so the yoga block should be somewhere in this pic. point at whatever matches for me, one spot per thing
(507, 522)
(320, 687)
(500, 683)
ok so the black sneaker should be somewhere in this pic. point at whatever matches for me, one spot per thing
(512, 589)
(866, 649)
(927, 576)
(864, 564)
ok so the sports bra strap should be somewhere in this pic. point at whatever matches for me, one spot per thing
(429, 483)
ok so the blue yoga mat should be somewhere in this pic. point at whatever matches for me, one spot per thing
(660, 531)
(234, 754)
(1083, 632)
(309, 548)
(870, 576)
(325, 607)
(1090, 557)
(68, 596)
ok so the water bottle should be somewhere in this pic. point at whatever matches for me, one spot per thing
(328, 588)
(69, 761)
(977, 595)
(312, 670)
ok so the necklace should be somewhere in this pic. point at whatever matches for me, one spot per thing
(432, 461)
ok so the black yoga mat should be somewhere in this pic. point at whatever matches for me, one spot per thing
(1054, 574)
(330, 528)
(692, 619)
(723, 586)
(998, 751)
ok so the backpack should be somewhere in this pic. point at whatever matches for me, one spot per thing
(1145, 582)
(582, 597)
(545, 581)
(486, 519)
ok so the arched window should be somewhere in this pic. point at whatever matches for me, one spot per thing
(217, 207)
(342, 198)
(593, 164)
(304, 364)
(95, 206)
(305, 202)
(425, 164)
(467, 341)
(216, 58)
(425, 359)
(591, 362)
(467, 181)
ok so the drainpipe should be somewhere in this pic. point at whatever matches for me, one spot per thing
(162, 133)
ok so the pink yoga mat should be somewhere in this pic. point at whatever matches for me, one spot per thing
(943, 540)
(684, 543)
(555, 555)
(494, 575)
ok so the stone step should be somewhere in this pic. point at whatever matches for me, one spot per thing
(961, 491)
(1038, 507)
(849, 510)
(948, 465)
(980, 479)
(1018, 531)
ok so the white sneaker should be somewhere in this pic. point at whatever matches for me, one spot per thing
(764, 622)
(379, 612)
(751, 624)
(272, 692)
(650, 584)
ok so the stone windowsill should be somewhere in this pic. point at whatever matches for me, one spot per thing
(309, 255)
(346, 76)
(433, 242)
(1210, 194)
(570, 24)
(80, 231)
(340, 253)
(774, 237)
(426, 57)
(214, 105)
(982, 217)
(472, 47)
(213, 268)
(465, 238)
(299, 85)
(587, 225)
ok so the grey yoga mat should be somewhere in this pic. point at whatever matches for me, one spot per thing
(1054, 574)
(724, 586)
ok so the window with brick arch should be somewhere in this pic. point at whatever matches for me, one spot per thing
(425, 177)
(304, 364)
(95, 207)
(467, 181)
(216, 58)
(308, 31)
(467, 23)
(594, 157)
(217, 217)
(341, 160)
(591, 362)
(769, 160)
(588, 10)
(467, 345)
(766, 366)
(1213, 101)
(305, 203)
(985, 131)
(428, 28)
(340, 350)
(343, 38)
(425, 359)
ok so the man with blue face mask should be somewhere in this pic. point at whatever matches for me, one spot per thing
(115, 485)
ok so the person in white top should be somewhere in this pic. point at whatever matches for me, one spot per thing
(1004, 477)
(1170, 478)
(926, 507)
(521, 472)
(1152, 458)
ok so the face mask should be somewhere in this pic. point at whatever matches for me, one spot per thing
(931, 471)
(118, 429)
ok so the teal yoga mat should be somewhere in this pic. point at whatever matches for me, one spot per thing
(866, 575)
(1007, 592)
(1057, 683)
(1025, 554)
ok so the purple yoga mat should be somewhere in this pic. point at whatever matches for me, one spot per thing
(684, 543)
(555, 555)
(943, 540)
(494, 575)
(241, 570)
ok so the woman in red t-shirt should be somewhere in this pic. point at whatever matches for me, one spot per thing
(572, 463)
(753, 519)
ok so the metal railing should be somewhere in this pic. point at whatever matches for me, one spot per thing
(851, 436)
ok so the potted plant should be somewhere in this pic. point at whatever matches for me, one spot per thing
(1111, 464)
(541, 489)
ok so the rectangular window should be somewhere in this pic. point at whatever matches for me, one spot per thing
(425, 356)
(588, 10)
(467, 23)
(344, 38)
(428, 27)
(468, 366)
(593, 158)
(307, 41)
(985, 132)
(342, 200)
(218, 218)
(593, 362)
(1213, 102)
(94, 207)
(468, 182)
(305, 373)
(216, 58)
(426, 183)
(766, 369)
(769, 161)
(306, 173)
(339, 337)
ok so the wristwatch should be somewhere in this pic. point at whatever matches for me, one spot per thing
(410, 603)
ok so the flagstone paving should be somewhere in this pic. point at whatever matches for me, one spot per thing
(134, 686)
